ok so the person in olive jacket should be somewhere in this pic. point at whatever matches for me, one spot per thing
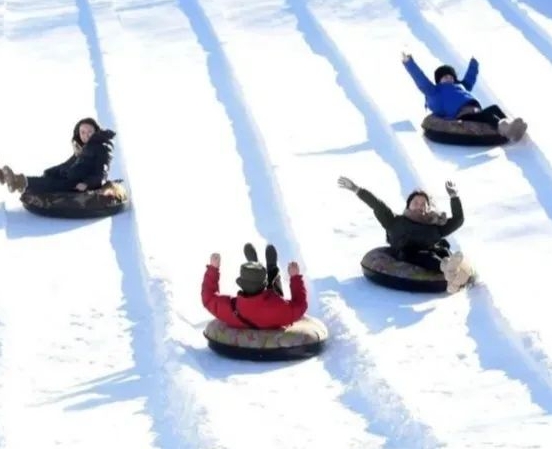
(416, 236)
(86, 169)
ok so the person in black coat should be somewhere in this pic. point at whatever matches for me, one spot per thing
(86, 169)
(416, 236)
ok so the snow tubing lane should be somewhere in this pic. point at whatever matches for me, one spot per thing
(380, 267)
(109, 200)
(303, 339)
(459, 132)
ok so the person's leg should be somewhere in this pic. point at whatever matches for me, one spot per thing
(426, 259)
(483, 116)
(442, 252)
(35, 184)
(495, 110)
(42, 184)
(274, 278)
(250, 253)
(494, 116)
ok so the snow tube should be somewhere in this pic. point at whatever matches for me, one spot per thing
(459, 132)
(303, 339)
(108, 200)
(380, 267)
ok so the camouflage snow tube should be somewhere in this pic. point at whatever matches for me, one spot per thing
(110, 199)
(380, 267)
(459, 132)
(303, 339)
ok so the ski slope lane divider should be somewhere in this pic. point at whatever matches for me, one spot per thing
(142, 303)
(266, 199)
(532, 31)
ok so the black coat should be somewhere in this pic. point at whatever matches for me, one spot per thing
(91, 166)
(405, 234)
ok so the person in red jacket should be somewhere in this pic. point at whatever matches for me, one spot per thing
(259, 304)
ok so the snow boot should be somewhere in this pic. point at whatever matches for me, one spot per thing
(250, 253)
(274, 278)
(271, 256)
(505, 128)
(457, 271)
(15, 182)
(513, 130)
(518, 129)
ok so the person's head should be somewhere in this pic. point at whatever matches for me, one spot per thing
(445, 74)
(84, 129)
(253, 278)
(418, 201)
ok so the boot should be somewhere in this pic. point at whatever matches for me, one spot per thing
(274, 278)
(505, 128)
(9, 177)
(518, 129)
(15, 182)
(2, 177)
(271, 256)
(455, 261)
(513, 130)
(250, 253)
(449, 264)
(457, 271)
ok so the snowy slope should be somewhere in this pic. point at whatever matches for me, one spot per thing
(234, 121)
(71, 344)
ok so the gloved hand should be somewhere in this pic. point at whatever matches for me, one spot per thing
(346, 183)
(451, 189)
(214, 260)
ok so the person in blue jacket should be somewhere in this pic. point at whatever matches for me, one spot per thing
(452, 99)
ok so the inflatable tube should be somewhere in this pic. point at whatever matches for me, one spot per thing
(303, 339)
(380, 267)
(109, 200)
(459, 132)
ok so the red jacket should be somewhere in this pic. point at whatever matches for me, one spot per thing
(267, 310)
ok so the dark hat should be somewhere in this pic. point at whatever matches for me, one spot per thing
(89, 121)
(445, 70)
(252, 278)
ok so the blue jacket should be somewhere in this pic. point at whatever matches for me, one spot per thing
(445, 99)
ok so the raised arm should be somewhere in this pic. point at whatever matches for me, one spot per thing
(212, 300)
(457, 219)
(418, 76)
(383, 213)
(293, 310)
(471, 74)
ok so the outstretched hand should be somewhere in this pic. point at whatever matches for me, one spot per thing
(293, 269)
(346, 183)
(215, 260)
(451, 188)
(406, 56)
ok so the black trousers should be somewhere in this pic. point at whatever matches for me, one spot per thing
(491, 115)
(430, 259)
(49, 184)
(274, 280)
